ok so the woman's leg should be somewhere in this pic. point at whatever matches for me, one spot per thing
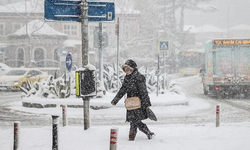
(133, 131)
(143, 127)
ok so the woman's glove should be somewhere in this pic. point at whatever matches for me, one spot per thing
(113, 103)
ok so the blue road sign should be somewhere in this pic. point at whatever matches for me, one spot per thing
(68, 61)
(58, 10)
(163, 45)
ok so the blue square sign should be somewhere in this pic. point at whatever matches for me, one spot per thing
(59, 10)
(163, 45)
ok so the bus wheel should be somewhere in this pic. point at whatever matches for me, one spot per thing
(205, 91)
(214, 94)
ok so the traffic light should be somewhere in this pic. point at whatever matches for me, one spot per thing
(85, 83)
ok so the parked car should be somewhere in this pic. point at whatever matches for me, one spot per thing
(4, 69)
(17, 77)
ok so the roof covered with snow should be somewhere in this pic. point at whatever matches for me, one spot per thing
(209, 28)
(241, 27)
(38, 27)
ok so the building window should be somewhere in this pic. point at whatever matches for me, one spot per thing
(16, 26)
(70, 29)
(39, 56)
(57, 53)
(2, 29)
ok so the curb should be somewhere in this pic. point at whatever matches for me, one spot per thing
(37, 105)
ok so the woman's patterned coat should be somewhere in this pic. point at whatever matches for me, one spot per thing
(134, 85)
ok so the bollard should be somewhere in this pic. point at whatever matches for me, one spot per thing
(113, 138)
(217, 115)
(55, 122)
(64, 115)
(16, 135)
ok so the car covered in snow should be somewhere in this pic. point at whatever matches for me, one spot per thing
(17, 77)
(4, 69)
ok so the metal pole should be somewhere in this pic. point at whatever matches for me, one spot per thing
(85, 58)
(158, 72)
(228, 10)
(55, 122)
(164, 70)
(100, 54)
(86, 112)
(64, 115)
(117, 32)
(85, 36)
(16, 135)
(113, 139)
(218, 115)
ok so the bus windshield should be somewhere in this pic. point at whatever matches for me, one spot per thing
(190, 60)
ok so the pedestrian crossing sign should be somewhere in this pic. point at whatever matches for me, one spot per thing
(163, 45)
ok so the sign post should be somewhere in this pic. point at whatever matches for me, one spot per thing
(85, 58)
(80, 11)
(164, 47)
(217, 115)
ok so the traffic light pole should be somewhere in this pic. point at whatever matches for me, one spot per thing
(85, 58)
(118, 33)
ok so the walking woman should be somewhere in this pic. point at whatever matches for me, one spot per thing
(134, 85)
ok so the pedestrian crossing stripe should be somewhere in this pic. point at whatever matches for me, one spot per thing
(163, 46)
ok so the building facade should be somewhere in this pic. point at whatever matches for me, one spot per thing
(27, 42)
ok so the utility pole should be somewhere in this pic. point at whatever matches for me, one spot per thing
(117, 33)
(228, 19)
(85, 58)
(157, 74)
(100, 54)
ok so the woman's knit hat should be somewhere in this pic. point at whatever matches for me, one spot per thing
(129, 63)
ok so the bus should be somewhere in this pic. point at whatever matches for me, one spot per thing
(191, 62)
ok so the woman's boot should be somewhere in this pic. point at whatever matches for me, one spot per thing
(132, 135)
(149, 134)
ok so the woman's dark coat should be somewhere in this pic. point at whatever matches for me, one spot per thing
(134, 85)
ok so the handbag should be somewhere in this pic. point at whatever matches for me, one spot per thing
(132, 103)
(151, 114)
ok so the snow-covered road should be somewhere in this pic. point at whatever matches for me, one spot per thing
(178, 127)
(8, 116)
(232, 110)
(191, 86)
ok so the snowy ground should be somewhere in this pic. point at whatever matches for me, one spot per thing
(172, 137)
(199, 136)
